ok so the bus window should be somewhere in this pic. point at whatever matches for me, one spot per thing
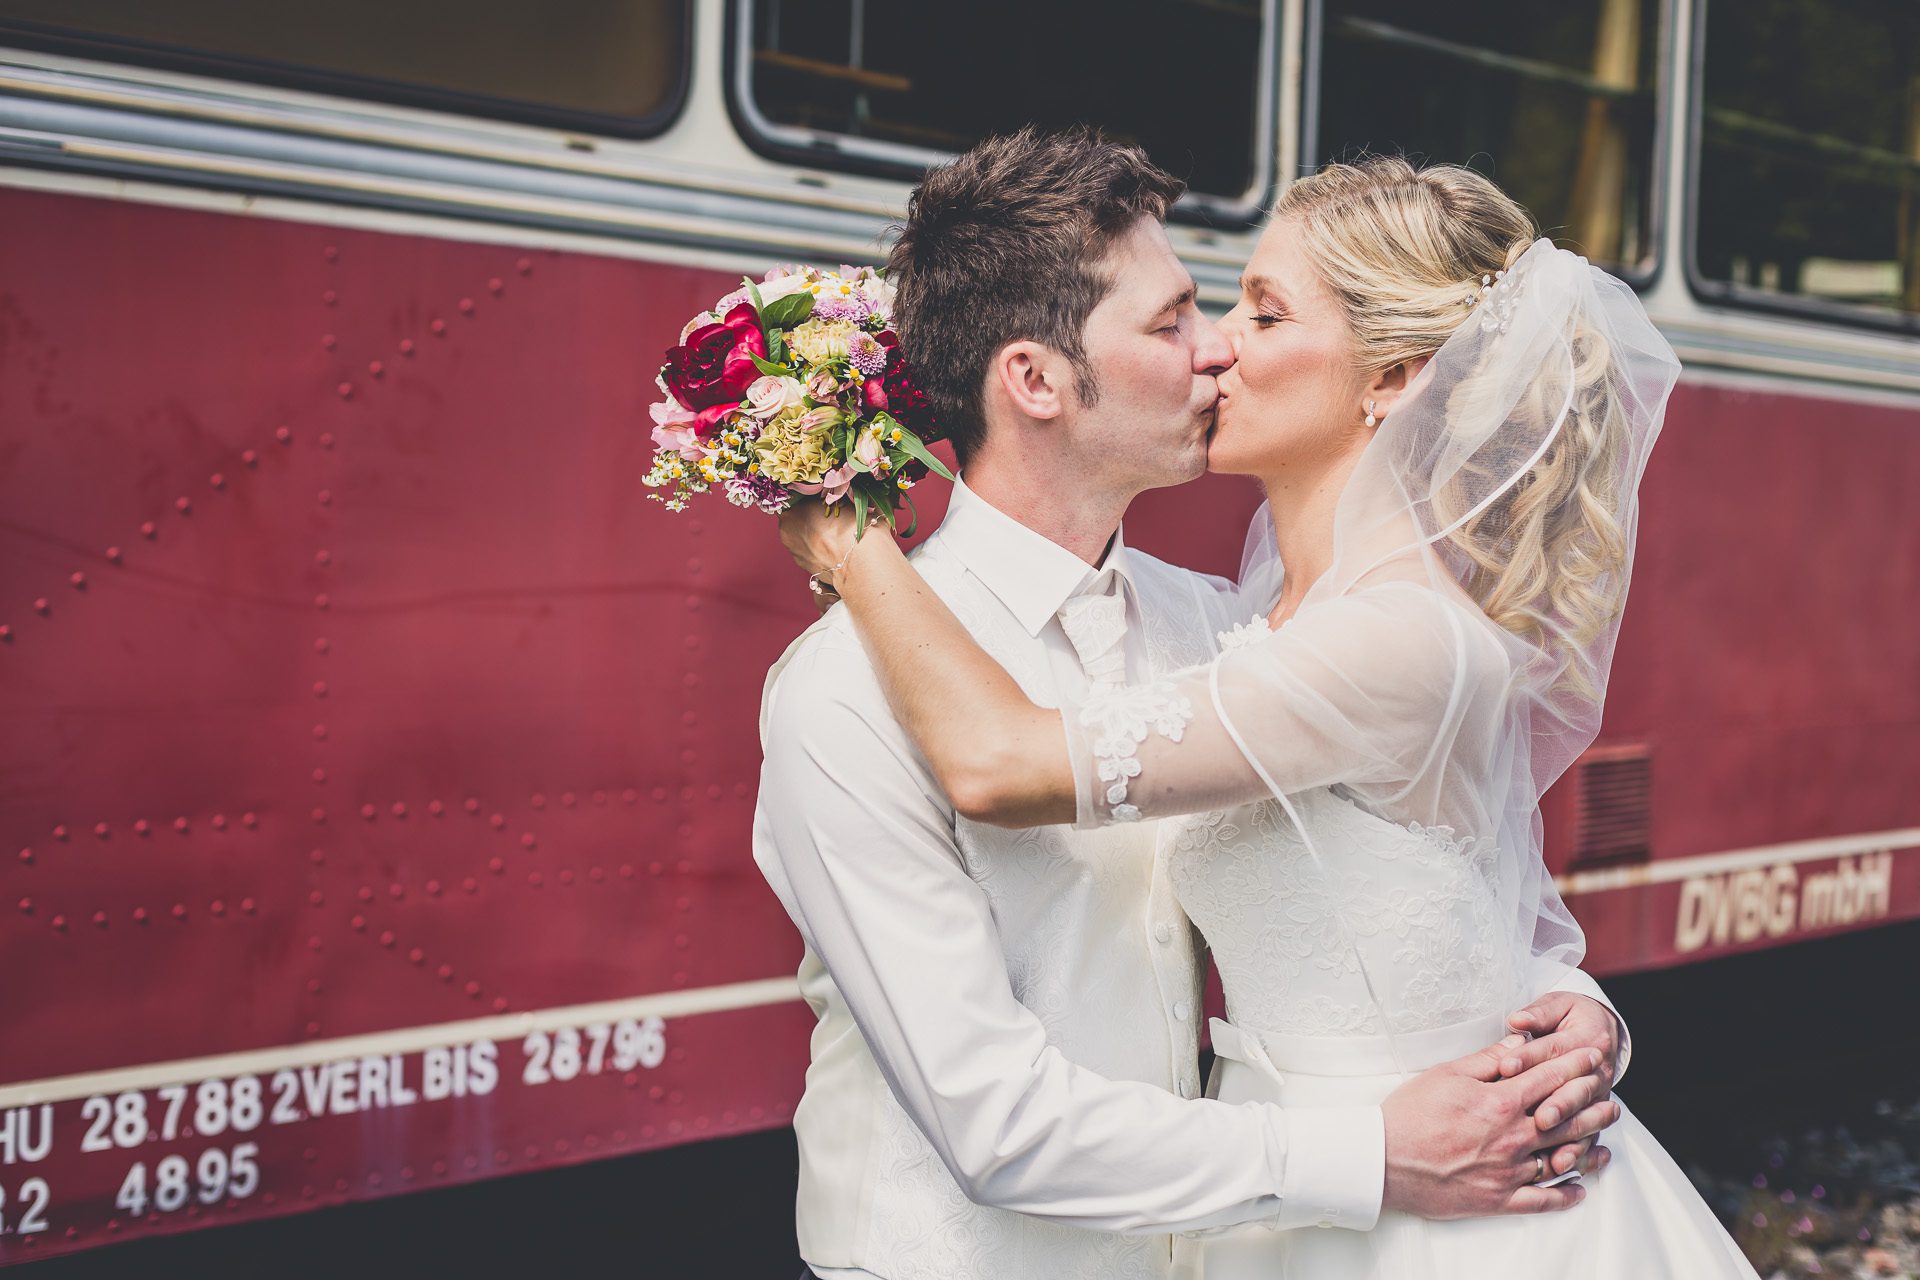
(606, 66)
(892, 88)
(1556, 103)
(1809, 155)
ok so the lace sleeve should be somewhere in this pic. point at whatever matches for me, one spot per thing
(1373, 688)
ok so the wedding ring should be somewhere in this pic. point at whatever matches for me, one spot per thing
(1539, 1167)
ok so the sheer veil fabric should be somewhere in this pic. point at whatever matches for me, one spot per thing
(1453, 660)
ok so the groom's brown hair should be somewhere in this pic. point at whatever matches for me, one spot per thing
(1003, 244)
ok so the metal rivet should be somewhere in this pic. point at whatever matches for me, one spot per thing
(331, 253)
(6, 632)
(433, 888)
(140, 915)
(446, 973)
(320, 776)
(321, 645)
(249, 457)
(249, 820)
(141, 826)
(325, 497)
(113, 554)
(41, 607)
(526, 840)
(317, 898)
(330, 297)
(319, 688)
(375, 368)
(466, 306)
(359, 923)
(524, 266)
(473, 989)
(313, 942)
(59, 922)
(323, 556)
(248, 905)
(386, 938)
(100, 829)
(218, 480)
(406, 346)
(470, 885)
(346, 390)
(26, 906)
(497, 821)
(629, 795)
(496, 285)
(364, 893)
(626, 871)
(282, 434)
(77, 578)
(60, 832)
(26, 855)
(148, 529)
(435, 808)
(499, 1004)
(496, 865)
(319, 816)
(396, 891)
(320, 732)
(180, 825)
(317, 857)
(535, 879)
(328, 341)
(219, 822)
(179, 911)
(326, 440)
(218, 907)
(399, 809)
(182, 505)
(567, 800)
(538, 801)
(566, 875)
(439, 328)
(417, 956)
(472, 804)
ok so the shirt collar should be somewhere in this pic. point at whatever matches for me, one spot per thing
(1031, 574)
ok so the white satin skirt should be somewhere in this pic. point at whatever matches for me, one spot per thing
(1641, 1219)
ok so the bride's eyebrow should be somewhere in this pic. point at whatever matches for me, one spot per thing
(1260, 284)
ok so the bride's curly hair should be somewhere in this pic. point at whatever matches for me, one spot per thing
(1401, 248)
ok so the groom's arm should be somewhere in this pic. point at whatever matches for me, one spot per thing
(866, 846)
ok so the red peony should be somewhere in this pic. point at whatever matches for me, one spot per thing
(895, 393)
(710, 372)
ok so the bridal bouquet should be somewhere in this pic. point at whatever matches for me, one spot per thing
(792, 385)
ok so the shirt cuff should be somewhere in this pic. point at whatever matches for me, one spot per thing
(1336, 1170)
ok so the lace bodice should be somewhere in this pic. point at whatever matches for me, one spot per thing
(1417, 903)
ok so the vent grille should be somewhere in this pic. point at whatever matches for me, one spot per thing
(1613, 813)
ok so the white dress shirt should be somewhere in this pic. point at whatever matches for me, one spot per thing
(1003, 1080)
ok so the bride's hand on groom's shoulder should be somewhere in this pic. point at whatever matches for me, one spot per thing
(1463, 1142)
(815, 536)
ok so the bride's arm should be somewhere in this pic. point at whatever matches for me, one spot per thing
(1371, 688)
(998, 757)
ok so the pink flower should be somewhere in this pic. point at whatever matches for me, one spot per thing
(867, 448)
(769, 395)
(836, 483)
(677, 429)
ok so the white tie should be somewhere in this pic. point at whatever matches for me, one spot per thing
(1096, 623)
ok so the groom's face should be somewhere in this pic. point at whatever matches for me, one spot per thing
(1155, 361)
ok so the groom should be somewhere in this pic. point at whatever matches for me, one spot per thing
(1004, 1080)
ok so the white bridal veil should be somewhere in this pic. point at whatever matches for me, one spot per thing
(1453, 661)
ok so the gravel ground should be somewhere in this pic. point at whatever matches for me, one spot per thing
(1834, 1203)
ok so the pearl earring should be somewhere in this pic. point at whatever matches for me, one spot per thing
(1371, 420)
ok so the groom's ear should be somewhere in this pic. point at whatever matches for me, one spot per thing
(1023, 372)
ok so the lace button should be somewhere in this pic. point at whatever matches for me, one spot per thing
(1180, 1010)
(1163, 933)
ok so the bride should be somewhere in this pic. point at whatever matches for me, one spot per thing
(1450, 419)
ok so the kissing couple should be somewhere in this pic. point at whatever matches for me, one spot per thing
(1017, 784)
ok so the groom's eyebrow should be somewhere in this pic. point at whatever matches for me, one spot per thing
(1179, 300)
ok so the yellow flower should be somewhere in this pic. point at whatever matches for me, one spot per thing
(817, 341)
(793, 448)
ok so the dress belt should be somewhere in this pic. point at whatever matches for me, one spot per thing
(1274, 1052)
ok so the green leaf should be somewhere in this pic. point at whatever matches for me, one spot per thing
(753, 291)
(911, 443)
(768, 367)
(789, 311)
(776, 347)
(859, 497)
(907, 499)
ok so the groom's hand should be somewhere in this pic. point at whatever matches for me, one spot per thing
(1462, 1138)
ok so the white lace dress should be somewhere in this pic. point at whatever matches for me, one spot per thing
(1416, 905)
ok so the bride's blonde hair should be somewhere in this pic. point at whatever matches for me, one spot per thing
(1401, 248)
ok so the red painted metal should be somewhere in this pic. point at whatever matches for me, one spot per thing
(350, 685)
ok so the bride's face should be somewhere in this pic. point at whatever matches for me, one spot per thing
(1292, 404)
